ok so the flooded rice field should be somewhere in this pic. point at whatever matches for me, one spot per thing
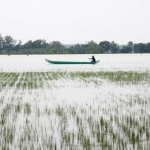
(74, 108)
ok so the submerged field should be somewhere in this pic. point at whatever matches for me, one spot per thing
(75, 110)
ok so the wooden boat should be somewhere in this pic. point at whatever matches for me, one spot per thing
(70, 62)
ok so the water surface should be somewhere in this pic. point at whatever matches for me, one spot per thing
(108, 62)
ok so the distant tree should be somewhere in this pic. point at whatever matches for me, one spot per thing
(27, 45)
(44, 44)
(130, 44)
(18, 45)
(105, 47)
(114, 48)
(8, 43)
(147, 48)
(77, 49)
(139, 48)
(39, 44)
(92, 47)
(1, 43)
(36, 44)
(57, 47)
(129, 48)
(55, 44)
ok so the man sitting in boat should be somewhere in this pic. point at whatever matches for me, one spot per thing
(93, 59)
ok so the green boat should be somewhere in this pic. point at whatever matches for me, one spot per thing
(70, 62)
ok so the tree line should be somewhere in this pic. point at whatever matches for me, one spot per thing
(8, 45)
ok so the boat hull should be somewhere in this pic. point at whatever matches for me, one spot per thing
(70, 62)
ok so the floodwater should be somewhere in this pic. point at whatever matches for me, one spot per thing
(108, 62)
(42, 110)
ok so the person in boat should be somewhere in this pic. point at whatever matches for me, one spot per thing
(93, 59)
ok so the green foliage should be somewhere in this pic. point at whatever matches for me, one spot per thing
(8, 45)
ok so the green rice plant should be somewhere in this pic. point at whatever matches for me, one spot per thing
(67, 138)
(8, 134)
(98, 136)
(3, 120)
(86, 143)
(59, 111)
(18, 108)
(133, 139)
(27, 108)
(101, 122)
(112, 119)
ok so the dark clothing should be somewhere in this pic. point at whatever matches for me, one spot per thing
(93, 59)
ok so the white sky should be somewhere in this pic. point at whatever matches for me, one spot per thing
(76, 21)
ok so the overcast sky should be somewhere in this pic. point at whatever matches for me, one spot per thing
(76, 21)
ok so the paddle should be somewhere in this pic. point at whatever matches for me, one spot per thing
(90, 59)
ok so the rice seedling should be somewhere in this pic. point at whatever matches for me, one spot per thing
(74, 110)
